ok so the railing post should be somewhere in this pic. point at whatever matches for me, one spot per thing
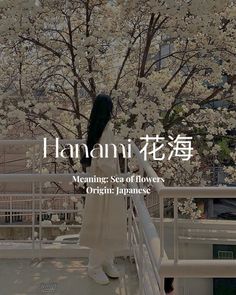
(161, 209)
(130, 225)
(40, 200)
(126, 164)
(141, 273)
(162, 285)
(11, 209)
(129, 228)
(33, 203)
(176, 244)
(176, 288)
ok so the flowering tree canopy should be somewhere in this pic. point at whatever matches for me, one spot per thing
(168, 65)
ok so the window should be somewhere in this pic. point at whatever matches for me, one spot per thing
(165, 50)
(16, 217)
(225, 254)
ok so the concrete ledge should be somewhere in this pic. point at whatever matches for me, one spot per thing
(55, 251)
(217, 268)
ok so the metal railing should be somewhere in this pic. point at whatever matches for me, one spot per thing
(146, 245)
(179, 267)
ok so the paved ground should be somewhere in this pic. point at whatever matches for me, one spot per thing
(61, 277)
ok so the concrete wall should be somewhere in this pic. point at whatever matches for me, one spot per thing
(195, 286)
(191, 250)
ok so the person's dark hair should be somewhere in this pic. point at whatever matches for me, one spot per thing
(168, 286)
(100, 115)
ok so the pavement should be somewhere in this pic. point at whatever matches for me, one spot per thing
(62, 276)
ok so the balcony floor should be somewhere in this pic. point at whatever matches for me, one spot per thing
(62, 276)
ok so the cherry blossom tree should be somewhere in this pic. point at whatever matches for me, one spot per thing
(56, 56)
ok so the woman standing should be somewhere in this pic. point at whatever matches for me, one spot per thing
(104, 227)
